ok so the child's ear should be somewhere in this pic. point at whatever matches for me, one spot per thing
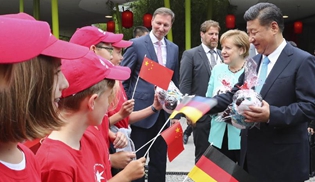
(92, 48)
(91, 101)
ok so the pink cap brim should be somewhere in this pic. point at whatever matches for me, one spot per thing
(122, 44)
(89, 35)
(64, 50)
(111, 38)
(21, 39)
(117, 72)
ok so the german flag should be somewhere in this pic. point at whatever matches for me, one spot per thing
(194, 107)
(213, 166)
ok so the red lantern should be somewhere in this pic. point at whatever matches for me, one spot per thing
(230, 21)
(127, 19)
(147, 20)
(298, 27)
(111, 26)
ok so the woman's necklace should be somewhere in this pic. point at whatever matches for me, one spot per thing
(236, 70)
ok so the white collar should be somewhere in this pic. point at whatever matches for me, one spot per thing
(155, 40)
(273, 57)
(207, 49)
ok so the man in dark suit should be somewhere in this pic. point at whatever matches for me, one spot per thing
(279, 150)
(195, 71)
(146, 129)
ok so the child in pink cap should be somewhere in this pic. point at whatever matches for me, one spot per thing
(109, 46)
(77, 151)
(30, 99)
(120, 120)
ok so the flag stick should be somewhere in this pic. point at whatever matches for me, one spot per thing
(134, 90)
(157, 136)
(145, 144)
(185, 178)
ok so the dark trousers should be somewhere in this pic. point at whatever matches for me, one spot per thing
(188, 130)
(234, 155)
(157, 153)
(312, 159)
(201, 134)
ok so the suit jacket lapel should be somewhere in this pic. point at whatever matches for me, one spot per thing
(283, 60)
(204, 58)
(151, 51)
(169, 54)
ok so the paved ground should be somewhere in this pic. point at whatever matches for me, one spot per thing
(177, 169)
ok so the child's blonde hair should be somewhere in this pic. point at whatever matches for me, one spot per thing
(72, 103)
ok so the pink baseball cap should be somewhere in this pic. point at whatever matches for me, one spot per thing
(52, 47)
(89, 70)
(21, 39)
(89, 35)
(63, 50)
(122, 44)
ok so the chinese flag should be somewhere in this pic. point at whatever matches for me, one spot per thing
(173, 137)
(155, 73)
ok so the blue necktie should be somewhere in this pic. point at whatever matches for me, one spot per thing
(262, 75)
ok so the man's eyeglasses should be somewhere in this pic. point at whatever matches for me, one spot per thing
(110, 49)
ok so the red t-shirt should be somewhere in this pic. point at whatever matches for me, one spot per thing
(122, 97)
(30, 173)
(104, 128)
(59, 162)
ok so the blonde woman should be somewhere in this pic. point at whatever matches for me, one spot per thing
(235, 47)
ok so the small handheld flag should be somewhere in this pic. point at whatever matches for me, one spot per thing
(173, 137)
(213, 166)
(194, 107)
(155, 73)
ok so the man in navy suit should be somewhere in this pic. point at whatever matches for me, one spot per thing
(279, 150)
(146, 129)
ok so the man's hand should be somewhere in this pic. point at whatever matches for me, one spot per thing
(173, 121)
(156, 103)
(258, 114)
(189, 122)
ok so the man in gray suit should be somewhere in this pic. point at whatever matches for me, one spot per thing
(195, 71)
